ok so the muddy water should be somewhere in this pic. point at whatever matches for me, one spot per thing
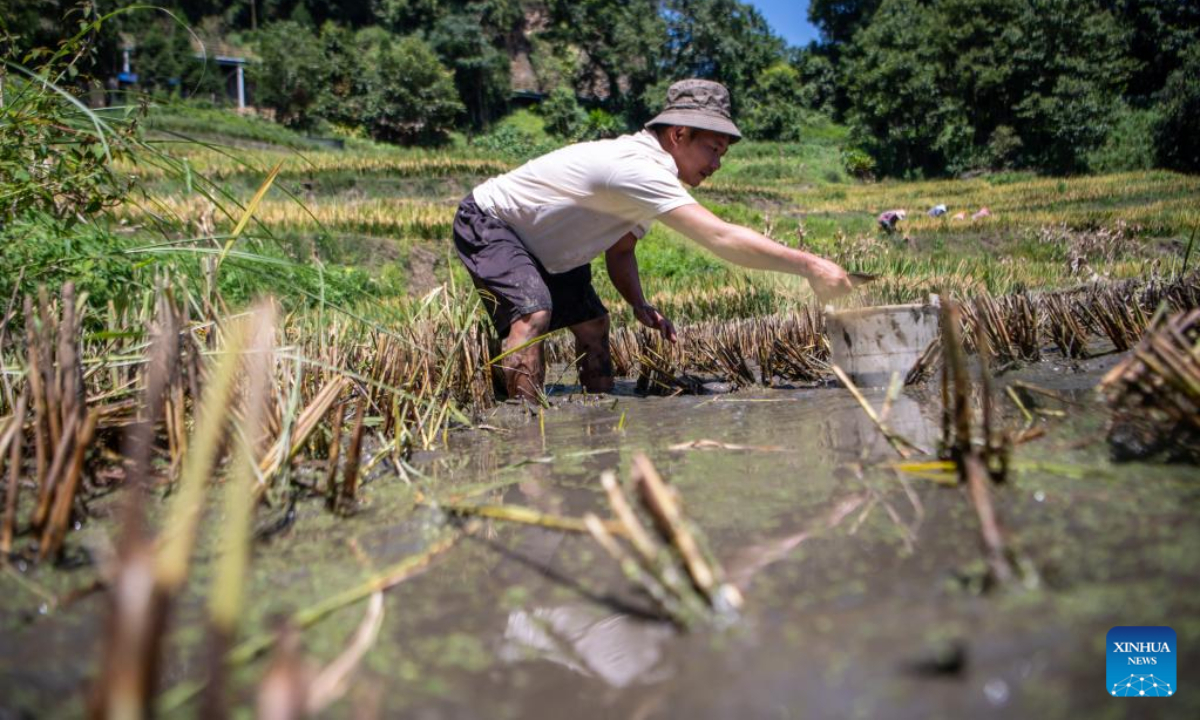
(862, 585)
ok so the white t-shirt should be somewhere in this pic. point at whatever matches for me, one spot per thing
(572, 204)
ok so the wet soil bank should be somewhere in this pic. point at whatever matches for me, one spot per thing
(862, 584)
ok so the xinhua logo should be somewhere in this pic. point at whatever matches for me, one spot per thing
(1141, 662)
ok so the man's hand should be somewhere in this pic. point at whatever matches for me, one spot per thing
(828, 279)
(649, 316)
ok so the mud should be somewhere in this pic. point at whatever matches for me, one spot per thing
(862, 584)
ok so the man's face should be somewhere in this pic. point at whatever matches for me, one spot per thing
(697, 153)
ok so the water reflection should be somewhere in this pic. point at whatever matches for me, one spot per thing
(611, 639)
(753, 559)
(615, 648)
(620, 649)
(852, 434)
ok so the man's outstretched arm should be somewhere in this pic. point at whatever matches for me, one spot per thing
(742, 246)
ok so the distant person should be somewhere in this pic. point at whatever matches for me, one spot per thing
(528, 237)
(889, 218)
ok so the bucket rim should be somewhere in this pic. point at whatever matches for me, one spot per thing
(880, 310)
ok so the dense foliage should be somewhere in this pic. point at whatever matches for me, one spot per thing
(409, 96)
(928, 87)
(1178, 131)
(962, 84)
(293, 73)
(56, 169)
(934, 86)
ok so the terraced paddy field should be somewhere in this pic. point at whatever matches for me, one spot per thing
(388, 212)
(426, 548)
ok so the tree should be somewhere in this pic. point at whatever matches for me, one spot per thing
(409, 95)
(1070, 71)
(291, 75)
(621, 44)
(775, 110)
(1177, 134)
(838, 20)
(562, 113)
(341, 97)
(25, 25)
(1162, 31)
(406, 15)
(948, 85)
(351, 13)
(481, 70)
(893, 79)
(722, 40)
(163, 56)
(818, 79)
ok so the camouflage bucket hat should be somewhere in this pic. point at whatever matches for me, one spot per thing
(702, 104)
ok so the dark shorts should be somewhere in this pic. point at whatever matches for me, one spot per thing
(512, 282)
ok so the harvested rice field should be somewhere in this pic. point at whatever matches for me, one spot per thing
(283, 477)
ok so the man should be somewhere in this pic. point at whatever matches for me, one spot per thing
(527, 237)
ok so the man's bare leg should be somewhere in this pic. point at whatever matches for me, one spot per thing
(595, 357)
(524, 370)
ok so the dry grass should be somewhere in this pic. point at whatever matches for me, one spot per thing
(394, 218)
(1155, 391)
(218, 163)
(68, 398)
(199, 400)
(791, 347)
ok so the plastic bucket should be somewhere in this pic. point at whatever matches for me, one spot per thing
(872, 343)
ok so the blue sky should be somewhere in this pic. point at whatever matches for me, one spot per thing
(789, 19)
